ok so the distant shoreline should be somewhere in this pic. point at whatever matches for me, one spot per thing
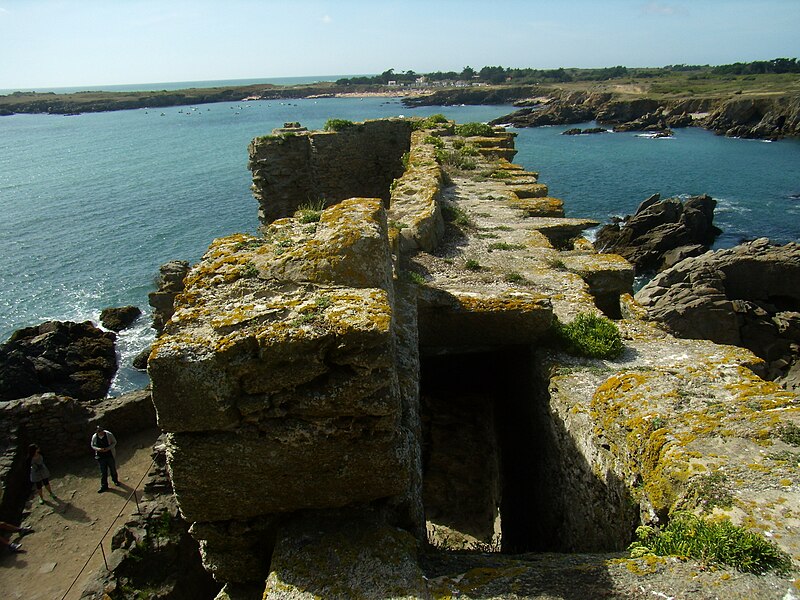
(104, 101)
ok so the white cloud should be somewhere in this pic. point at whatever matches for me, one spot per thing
(658, 9)
(327, 19)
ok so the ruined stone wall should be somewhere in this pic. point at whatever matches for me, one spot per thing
(293, 169)
(285, 377)
(289, 380)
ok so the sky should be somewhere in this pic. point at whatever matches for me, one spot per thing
(55, 43)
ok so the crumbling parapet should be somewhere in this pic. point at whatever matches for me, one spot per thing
(293, 167)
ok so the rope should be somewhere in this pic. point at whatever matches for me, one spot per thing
(103, 537)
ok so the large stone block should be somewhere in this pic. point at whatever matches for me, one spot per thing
(286, 465)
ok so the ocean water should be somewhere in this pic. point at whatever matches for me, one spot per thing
(91, 205)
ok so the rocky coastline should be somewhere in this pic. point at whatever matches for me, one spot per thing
(765, 117)
(748, 116)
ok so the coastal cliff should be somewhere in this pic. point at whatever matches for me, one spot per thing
(378, 378)
(767, 117)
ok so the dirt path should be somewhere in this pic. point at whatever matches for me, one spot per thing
(68, 530)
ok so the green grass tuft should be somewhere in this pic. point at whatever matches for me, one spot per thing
(310, 212)
(688, 535)
(473, 129)
(338, 124)
(590, 335)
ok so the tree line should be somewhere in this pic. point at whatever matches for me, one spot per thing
(499, 74)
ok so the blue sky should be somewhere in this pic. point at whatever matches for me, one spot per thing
(50, 43)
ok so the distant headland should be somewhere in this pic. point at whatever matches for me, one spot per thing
(759, 99)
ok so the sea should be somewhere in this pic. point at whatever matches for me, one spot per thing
(91, 205)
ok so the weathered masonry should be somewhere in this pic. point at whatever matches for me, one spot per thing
(364, 377)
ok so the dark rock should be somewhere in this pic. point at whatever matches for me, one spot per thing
(579, 131)
(170, 284)
(747, 296)
(72, 359)
(117, 319)
(661, 231)
(140, 360)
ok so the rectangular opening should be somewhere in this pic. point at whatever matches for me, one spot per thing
(500, 472)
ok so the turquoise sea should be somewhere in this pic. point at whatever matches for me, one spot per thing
(91, 205)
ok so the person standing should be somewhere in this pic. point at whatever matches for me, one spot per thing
(104, 446)
(7, 529)
(40, 475)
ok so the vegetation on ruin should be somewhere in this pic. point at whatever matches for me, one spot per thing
(590, 335)
(712, 491)
(430, 122)
(474, 129)
(455, 159)
(338, 124)
(790, 433)
(504, 246)
(434, 141)
(472, 265)
(457, 216)
(713, 542)
(311, 211)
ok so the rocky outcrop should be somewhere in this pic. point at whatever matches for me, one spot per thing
(71, 359)
(758, 117)
(170, 284)
(661, 233)
(505, 94)
(117, 319)
(746, 296)
(763, 118)
(574, 107)
(589, 130)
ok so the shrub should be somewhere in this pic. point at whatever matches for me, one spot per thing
(790, 433)
(721, 542)
(413, 277)
(455, 159)
(430, 122)
(437, 142)
(504, 246)
(338, 124)
(590, 335)
(456, 215)
(470, 150)
(248, 269)
(473, 129)
(514, 277)
(472, 265)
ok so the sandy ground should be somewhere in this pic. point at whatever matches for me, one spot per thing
(68, 530)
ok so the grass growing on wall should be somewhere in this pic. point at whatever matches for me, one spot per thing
(690, 536)
(590, 335)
